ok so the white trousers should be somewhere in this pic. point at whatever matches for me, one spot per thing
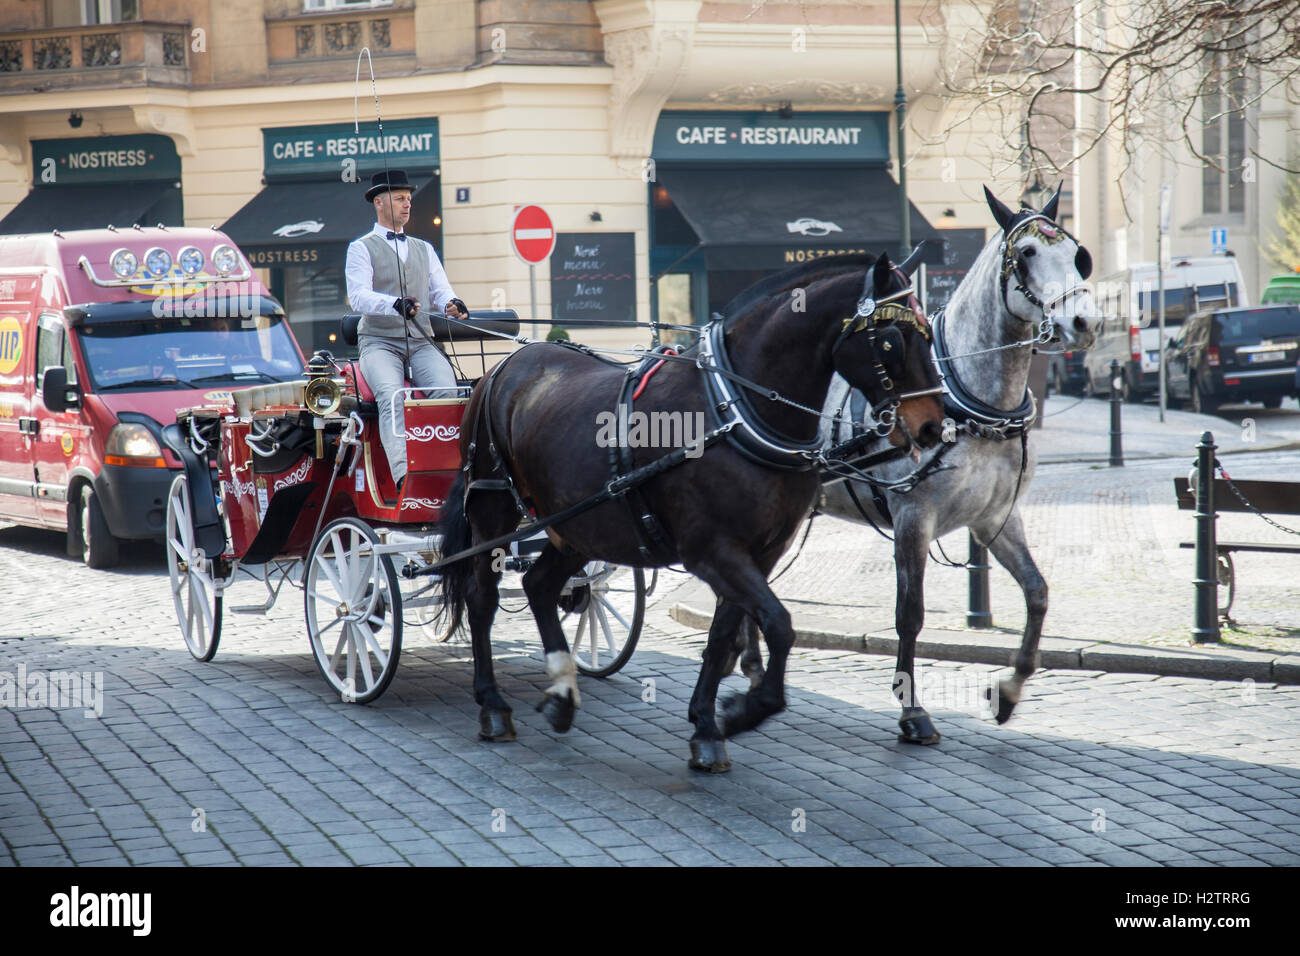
(382, 363)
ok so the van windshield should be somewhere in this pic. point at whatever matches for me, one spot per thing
(1239, 328)
(170, 353)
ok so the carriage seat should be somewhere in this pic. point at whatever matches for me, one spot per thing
(488, 321)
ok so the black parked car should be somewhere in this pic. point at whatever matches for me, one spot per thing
(1247, 354)
(1065, 374)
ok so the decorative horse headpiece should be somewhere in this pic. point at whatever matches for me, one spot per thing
(1015, 269)
(872, 311)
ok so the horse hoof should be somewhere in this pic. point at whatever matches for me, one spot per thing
(558, 712)
(709, 756)
(495, 726)
(732, 714)
(1006, 703)
(917, 728)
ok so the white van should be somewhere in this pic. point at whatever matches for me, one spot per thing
(1131, 331)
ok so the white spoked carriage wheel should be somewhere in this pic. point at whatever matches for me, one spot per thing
(195, 590)
(354, 611)
(601, 611)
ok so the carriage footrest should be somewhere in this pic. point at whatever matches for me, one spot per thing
(249, 609)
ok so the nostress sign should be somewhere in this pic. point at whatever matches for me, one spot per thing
(144, 157)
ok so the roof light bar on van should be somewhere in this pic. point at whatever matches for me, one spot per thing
(158, 262)
(224, 259)
(191, 260)
(134, 280)
(123, 263)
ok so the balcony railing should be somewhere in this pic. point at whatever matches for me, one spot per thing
(103, 54)
(326, 34)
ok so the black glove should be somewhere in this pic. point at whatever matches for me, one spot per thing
(407, 307)
(460, 304)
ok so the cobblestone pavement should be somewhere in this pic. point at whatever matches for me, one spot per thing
(249, 760)
(1107, 542)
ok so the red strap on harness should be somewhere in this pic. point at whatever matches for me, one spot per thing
(646, 378)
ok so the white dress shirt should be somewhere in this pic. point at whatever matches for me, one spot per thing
(360, 275)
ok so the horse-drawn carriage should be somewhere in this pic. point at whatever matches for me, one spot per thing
(290, 483)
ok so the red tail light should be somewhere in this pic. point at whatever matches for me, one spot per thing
(1135, 344)
(1069, 355)
(1212, 355)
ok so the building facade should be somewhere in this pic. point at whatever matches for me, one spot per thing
(681, 147)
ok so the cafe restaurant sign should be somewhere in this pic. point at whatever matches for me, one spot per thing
(290, 152)
(689, 136)
(143, 157)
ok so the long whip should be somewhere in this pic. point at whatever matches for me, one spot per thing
(383, 151)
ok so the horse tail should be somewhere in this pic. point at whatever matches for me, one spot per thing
(457, 536)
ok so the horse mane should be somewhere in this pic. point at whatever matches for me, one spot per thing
(803, 274)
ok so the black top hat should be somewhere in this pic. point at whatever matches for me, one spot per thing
(385, 181)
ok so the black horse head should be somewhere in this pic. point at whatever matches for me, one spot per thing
(884, 350)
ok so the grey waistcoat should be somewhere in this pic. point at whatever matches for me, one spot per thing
(416, 268)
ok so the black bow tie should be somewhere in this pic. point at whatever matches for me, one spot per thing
(399, 236)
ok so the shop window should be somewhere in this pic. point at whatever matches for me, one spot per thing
(670, 226)
(315, 298)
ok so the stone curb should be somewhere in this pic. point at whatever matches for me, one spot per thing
(1056, 653)
(1050, 458)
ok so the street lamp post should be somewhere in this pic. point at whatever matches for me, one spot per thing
(900, 110)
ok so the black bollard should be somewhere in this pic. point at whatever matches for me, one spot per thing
(1206, 581)
(979, 614)
(1116, 400)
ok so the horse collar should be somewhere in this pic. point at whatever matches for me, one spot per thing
(979, 417)
(731, 408)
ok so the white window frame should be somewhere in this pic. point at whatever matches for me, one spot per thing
(315, 6)
(101, 12)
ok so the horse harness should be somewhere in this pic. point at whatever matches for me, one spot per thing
(732, 414)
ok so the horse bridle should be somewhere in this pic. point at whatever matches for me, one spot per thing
(871, 314)
(1014, 265)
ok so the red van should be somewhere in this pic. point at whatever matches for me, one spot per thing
(105, 334)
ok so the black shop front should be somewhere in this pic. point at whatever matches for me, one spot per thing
(313, 204)
(90, 182)
(737, 196)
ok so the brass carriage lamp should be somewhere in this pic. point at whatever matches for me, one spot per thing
(322, 395)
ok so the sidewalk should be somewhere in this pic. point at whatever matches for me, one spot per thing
(1079, 430)
(1105, 539)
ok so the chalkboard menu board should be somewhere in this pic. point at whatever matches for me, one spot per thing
(593, 277)
(962, 249)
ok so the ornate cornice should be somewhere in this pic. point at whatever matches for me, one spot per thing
(649, 45)
(172, 121)
(803, 89)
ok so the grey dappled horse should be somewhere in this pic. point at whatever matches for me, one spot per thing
(1026, 284)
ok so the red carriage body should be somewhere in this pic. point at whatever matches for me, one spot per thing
(293, 475)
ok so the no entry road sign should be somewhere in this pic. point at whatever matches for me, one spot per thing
(532, 235)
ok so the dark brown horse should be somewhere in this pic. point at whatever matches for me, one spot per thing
(530, 440)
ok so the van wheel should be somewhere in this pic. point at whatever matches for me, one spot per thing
(1273, 401)
(1202, 404)
(98, 546)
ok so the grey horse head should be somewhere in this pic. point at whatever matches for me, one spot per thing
(1044, 271)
